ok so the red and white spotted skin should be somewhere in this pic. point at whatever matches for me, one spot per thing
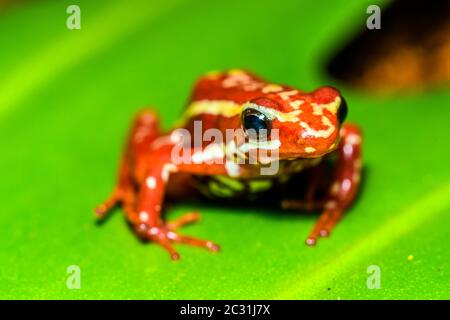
(310, 133)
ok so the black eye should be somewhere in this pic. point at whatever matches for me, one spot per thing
(342, 112)
(256, 123)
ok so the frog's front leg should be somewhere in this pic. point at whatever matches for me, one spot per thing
(345, 184)
(144, 130)
(141, 185)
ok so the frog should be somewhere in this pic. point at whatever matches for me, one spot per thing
(318, 157)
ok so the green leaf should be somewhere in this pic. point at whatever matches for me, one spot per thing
(66, 100)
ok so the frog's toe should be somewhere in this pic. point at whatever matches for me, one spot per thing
(165, 243)
(188, 218)
(211, 246)
(158, 235)
(167, 234)
(183, 220)
(323, 226)
(106, 206)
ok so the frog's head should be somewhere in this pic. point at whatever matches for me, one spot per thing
(307, 123)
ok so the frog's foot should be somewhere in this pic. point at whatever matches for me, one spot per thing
(166, 234)
(107, 205)
(324, 225)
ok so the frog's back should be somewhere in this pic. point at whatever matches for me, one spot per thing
(235, 85)
(222, 94)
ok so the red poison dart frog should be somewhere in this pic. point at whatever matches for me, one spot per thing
(317, 156)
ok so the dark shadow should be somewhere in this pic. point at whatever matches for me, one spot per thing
(268, 204)
(410, 51)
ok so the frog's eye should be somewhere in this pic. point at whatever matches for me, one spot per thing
(256, 124)
(342, 111)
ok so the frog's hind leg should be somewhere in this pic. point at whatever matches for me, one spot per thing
(345, 183)
(144, 130)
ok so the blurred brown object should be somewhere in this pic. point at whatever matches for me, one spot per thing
(6, 4)
(411, 51)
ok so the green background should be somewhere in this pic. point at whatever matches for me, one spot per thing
(66, 100)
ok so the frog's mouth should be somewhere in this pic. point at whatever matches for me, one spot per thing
(268, 151)
(307, 153)
(259, 152)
